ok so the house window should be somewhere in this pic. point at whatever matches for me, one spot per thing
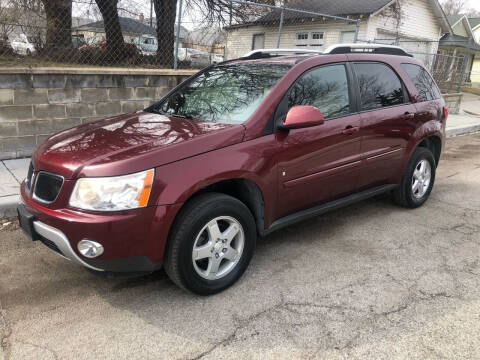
(317, 38)
(302, 36)
(302, 39)
(314, 38)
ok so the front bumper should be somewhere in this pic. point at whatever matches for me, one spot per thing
(58, 242)
(133, 240)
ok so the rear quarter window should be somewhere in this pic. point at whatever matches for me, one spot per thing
(426, 87)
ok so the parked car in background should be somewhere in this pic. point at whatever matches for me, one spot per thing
(78, 41)
(193, 57)
(237, 151)
(130, 49)
(147, 45)
(23, 45)
(216, 58)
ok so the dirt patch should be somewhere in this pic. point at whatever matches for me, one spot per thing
(9, 224)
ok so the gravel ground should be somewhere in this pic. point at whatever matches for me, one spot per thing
(368, 281)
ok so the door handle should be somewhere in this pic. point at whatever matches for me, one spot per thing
(349, 130)
(408, 115)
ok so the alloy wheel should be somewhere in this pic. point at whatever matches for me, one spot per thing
(422, 176)
(218, 247)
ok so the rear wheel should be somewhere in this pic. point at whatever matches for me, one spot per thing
(211, 244)
(418, 179)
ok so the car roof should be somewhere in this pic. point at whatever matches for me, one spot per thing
(283, 59)
(295, 59)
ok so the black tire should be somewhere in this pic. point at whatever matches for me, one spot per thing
(188, 224)
(403, 195)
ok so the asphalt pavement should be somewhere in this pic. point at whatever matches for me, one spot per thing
(370, 281)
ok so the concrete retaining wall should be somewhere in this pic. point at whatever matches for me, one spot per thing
(453, 101)
(35, 103)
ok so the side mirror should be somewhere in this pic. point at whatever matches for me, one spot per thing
(302, 116)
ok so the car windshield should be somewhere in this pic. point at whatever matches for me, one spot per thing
(224, 94)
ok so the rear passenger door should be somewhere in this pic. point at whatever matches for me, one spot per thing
(387, 122)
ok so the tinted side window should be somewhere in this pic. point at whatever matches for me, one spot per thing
(427, 89)
(325, 87)
(379, 86)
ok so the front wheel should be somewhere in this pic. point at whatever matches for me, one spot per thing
(211, 244)
(417, 181)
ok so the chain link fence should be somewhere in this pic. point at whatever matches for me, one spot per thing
(131, 33)
(155, 33)
(183, 33)
(448, 70)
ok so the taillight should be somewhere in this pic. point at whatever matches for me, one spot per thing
(445, 112)
(193, 56)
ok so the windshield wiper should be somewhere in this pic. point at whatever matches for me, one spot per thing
(186, 116)
(162, 112)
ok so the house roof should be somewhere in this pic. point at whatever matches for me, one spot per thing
(474, 22)
(458, 41)
(206, 36)
(183, 31)
(341, 8)
(454, 19)
(131, 26)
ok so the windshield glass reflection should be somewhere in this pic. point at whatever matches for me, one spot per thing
(225, 94)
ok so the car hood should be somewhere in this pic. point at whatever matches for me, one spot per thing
(129, 143)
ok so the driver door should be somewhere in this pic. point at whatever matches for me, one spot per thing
(319, 163)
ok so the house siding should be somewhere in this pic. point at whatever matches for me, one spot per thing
(418, 23)
(239, 41)
(459, 29)
(475, 76)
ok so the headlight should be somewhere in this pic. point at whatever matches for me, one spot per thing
(113, 193)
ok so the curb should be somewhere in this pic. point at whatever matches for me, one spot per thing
(471, 112)
(8, 205)
(462, 130)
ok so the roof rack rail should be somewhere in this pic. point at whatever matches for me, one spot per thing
(266, 53)
(366, 48)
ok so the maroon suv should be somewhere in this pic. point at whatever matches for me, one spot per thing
(237, 151)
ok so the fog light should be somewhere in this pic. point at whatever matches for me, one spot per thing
(89, 248)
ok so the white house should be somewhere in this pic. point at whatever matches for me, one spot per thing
(416, 24)
(475, 73)
(461, 43)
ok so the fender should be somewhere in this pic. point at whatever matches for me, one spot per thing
(428, 129)
(249, 160)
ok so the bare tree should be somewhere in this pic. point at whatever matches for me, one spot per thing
(211, 11)
(165, 12)
(59, 23)
(9, 16)
(457, 7)
(113, 30)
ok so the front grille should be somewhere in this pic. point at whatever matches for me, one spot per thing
(29, 179)
(47, 186)
(50, 244)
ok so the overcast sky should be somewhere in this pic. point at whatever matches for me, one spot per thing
(474, 4)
